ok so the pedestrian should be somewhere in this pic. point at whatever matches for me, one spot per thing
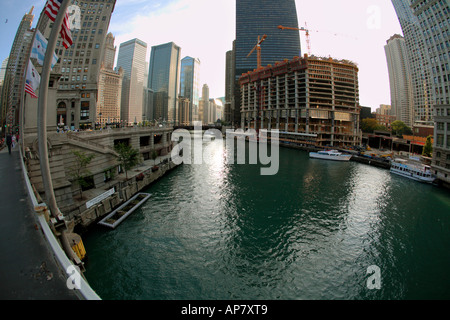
(9, 142)
(13, 140)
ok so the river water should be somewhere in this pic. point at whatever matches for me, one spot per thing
(312, 231)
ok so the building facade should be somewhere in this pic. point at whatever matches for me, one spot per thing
(13, 81)
(164, 80)
(109, 87)
(190, 85)
(400, 80)
(132, 60)
(260, 18)
(433, 17)
(78, 66)
(308, 97)
(419, 62)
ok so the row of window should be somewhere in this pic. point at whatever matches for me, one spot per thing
(442, 125)
(440, 141)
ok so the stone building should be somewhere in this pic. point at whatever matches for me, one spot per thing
(109, 87)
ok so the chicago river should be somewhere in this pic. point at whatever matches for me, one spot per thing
(316, 230)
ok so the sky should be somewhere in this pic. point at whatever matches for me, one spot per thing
(355, 30)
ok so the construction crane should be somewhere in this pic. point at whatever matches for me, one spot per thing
(308, 40)
(258, 50)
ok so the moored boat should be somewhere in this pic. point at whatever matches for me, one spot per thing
(413, 170)
(330, 155)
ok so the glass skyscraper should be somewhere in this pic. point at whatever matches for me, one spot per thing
(189, 84)
(132, 60)
(419, 62)
(164, 79)
(258, 18)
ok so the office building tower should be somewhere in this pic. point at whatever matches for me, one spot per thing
(419, 62)
(203, 112)
(14, 73)
(79, 65)
(164, 79)
(132, 60)
(190, 86)
(433, 19)
(258, 18)
(3, 70)
(229, 87)
(109, 87)
(399, 79)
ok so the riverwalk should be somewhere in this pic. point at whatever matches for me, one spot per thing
(28, 267)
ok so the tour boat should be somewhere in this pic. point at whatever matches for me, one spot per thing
(330, 155)
(412, 170)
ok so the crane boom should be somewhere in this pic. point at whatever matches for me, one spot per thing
(258, 50)
(308, 41)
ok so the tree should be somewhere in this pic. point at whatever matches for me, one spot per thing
(79, 172)
(369, 125)
(428, 148)
(399, 128)
(128, 157)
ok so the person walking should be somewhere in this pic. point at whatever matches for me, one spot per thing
(9, 142)
(13, 138)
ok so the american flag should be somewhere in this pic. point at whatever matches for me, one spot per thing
(29, 89)
(32, 80)
(51, 10)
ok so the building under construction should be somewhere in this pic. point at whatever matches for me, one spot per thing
(310, 100)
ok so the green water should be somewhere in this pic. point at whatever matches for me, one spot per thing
(223, 231)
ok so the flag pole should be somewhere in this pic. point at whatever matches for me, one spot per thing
(22, 90)
(42, 111)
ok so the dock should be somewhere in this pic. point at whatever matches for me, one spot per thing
(113, 219)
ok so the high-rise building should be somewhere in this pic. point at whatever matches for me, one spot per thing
(189, 85)
(433, 19)
(258, 18)
(3, 70)
(419, 62)
(307, 99)
(255, 19)
(164, 79)
(79, 65)
(109, 86)
(203, 112)
(229, 86)
(14, 73)
(132, 60)
(400, 80)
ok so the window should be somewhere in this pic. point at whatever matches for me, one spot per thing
(84, 115)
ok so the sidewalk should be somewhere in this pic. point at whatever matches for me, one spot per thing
(28, 269)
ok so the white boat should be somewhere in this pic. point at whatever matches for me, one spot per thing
(412, 170)
(330, 155)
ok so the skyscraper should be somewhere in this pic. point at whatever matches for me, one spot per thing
(189, 84)
(258, 18)
(79, 65)
(132, 60)
(419, 61)
(399, 80)
(109, 86)
(433, 19)
(14, 73)
(203, 112)
(164, 79)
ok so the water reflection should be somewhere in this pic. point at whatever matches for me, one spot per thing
(222, 231)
